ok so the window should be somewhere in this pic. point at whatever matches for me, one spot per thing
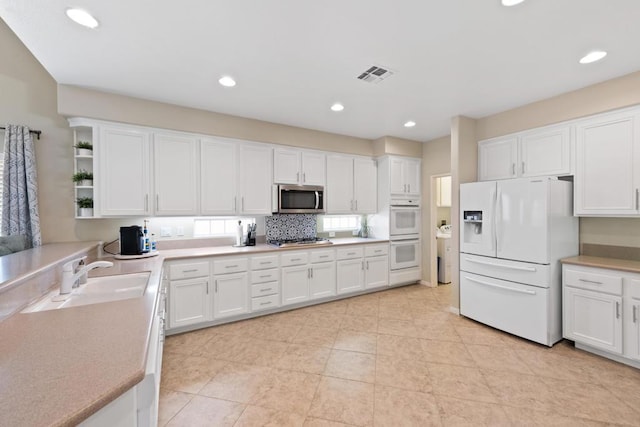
(218, 227)
(340, 222)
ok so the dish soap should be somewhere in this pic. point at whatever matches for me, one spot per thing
(145, 234)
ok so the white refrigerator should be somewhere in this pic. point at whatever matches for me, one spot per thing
(512, 235)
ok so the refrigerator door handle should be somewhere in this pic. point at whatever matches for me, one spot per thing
(498, 218)
(493, 285)
(495, 264)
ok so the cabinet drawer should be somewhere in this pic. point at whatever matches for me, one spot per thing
(264, 262)
(594, 280)
(262, 276)
(376, 250)
(230, 265)
(323, 256)
(294, 258)
(350, 253)
(263, 289)
(264, 303)
(188, 271)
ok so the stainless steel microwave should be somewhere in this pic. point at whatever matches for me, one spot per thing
(300, 199)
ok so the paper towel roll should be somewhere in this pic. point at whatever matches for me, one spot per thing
(239, 234)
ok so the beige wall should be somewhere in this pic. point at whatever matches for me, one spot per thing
(29, 98)
(612, 94)
(436, 160)
(79, 102)
(397, 147)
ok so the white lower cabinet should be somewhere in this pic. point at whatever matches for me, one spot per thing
(308, 275)
(601, 311)
(376, 272)
(295, 284)
(350, 274)
(189, 302)
(231, 287)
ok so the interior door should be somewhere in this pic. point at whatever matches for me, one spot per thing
(521, 220)
(477, 202)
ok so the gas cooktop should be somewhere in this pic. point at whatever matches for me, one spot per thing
(288, 243)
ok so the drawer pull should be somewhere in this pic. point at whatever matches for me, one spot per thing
(635, 314)
(193, 270)
(265, 276)
(377, 251)
(495, 264)
(507, 288)
(324, 256)
(590, 281)
(266, 303)
(295, 259)
(351, 253)
(266, 289)
(617, 310)
(231, 266)
(265, 262)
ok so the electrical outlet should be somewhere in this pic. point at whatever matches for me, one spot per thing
(354, 233)
(332, 234)
(180, 231)
(165, 231)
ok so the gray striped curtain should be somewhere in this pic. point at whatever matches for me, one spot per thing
(20, 187)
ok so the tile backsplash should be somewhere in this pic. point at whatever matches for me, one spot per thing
(290, 226)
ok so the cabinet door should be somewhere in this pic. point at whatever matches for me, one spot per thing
(323, 280)
(365, 187)
(313, 168)
(497, 158)
(189, 302)
(231, 295)
(396, 176)
(286, 166)
(175, 175)
(376, 271)
(412, 176)
(608, 155)
(443, 189)
(218, 171)
(339, 191)
(295, 284)
(546, 152)
(350, 275)
(255, 180)
(632, 327)
(123, 175)
(593, 318)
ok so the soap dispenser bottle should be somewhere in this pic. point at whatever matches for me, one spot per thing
(145, 233)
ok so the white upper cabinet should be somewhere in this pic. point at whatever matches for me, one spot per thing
(404, 176)
(608, 165)
(546, 151)
(218, 172)
(339, 194)
(538, 152)
(365, 188)
(123, 175)
(175, 160)
(497, 158)
(351, 185)
(298, 167)
(255, 179)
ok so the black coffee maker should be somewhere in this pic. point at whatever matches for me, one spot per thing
(131, 240)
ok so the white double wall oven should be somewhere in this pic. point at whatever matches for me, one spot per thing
(404, 234)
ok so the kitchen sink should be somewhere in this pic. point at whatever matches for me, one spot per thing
(96, 290)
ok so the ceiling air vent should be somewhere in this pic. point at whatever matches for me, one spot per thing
(375, 74)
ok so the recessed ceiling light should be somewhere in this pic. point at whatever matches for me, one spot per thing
(82, 17)
(227, 81)
(337, 107)
(410, 124)
(593, 56)
(511, 2)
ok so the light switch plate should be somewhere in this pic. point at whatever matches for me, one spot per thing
(165, 231)
(332, 234)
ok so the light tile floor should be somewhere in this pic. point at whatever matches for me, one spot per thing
(393, 358)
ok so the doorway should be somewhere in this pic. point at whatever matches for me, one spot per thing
(440, 241)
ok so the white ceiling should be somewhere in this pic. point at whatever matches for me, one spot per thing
(293, 58)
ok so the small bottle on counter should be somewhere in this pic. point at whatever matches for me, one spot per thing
(154, 246)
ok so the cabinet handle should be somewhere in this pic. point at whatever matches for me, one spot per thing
(242, 199)
(295, 259)
(522, 168)
(324, 256)
(362, 262)
(216, 286)
(265, 289)
(265, 303)
(351, 204)
(637, 199)
(311, 270)
(231, 266)
(304, 177)
(146, 202)
(265, 276)
(351, 253)
(617, 310)
(265, 262)
(157, 202)
(193, 270)
(308, 273)
(297, 176)
(207, 287)
(235, 203)
(367, 265)
(356, 202)
(408, 188)
(635, 314)
(590, 281)
(377, 251)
